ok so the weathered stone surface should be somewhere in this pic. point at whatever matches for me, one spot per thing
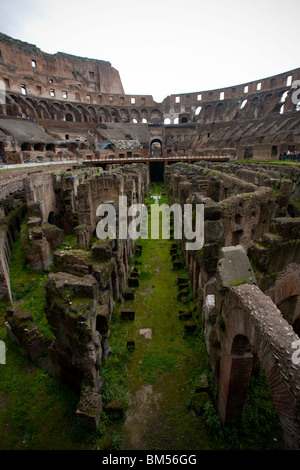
(213, 231)
(73, 261)
(54, 235)
(89, 408)
(146, 333)
(102, 250)
(234, 267)
(21, 327)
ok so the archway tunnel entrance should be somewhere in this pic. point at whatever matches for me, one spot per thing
(156, 171)
(156, 148)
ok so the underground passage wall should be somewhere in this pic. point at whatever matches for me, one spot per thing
(250, 242)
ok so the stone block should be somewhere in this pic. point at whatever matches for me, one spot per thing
(89, 408)
(102, 250)
(54, 235)
(234, 267)
(146, 333)
(77, 262)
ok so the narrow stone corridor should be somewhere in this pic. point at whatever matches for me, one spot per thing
(164, 361)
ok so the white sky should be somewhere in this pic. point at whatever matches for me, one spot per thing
(163, 47)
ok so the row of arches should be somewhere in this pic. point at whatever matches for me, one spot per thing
(249, 108)
(17, 105)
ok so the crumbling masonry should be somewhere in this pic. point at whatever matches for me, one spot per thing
(81, 141)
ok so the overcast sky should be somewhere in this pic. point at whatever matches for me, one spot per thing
(162, 47)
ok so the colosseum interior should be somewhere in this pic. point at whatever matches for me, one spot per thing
(72, 139)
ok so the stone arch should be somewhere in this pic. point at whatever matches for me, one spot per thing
(82, 146)
(286, 293)
(92, 112)
(16, 103)
(50, 147)
(44, 110)
(124, 115)
(254, 327)
(26, 147)
(39, 146)
(31, 108)
(72, 147)
(57, 106)
(51, 218)
(2, 152)
(208, 113)
(156, 147)
(84, 116)
(144, 115)
(103, 114)
(156, 116)
(219, 112)
(135, 115)
(69, 117)
(12, 107)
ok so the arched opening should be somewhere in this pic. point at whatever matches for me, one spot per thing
(156, 148)
(82, 146)
(184, 120)
(39, 147)
(72, 147)
(69, 117)
(51, 218)
(26, 147)
(50, 147)
(167, 121)
(237, 237)
(236, 374)
(2, 152)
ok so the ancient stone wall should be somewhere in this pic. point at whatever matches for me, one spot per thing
(261, 316)
(256, 120)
